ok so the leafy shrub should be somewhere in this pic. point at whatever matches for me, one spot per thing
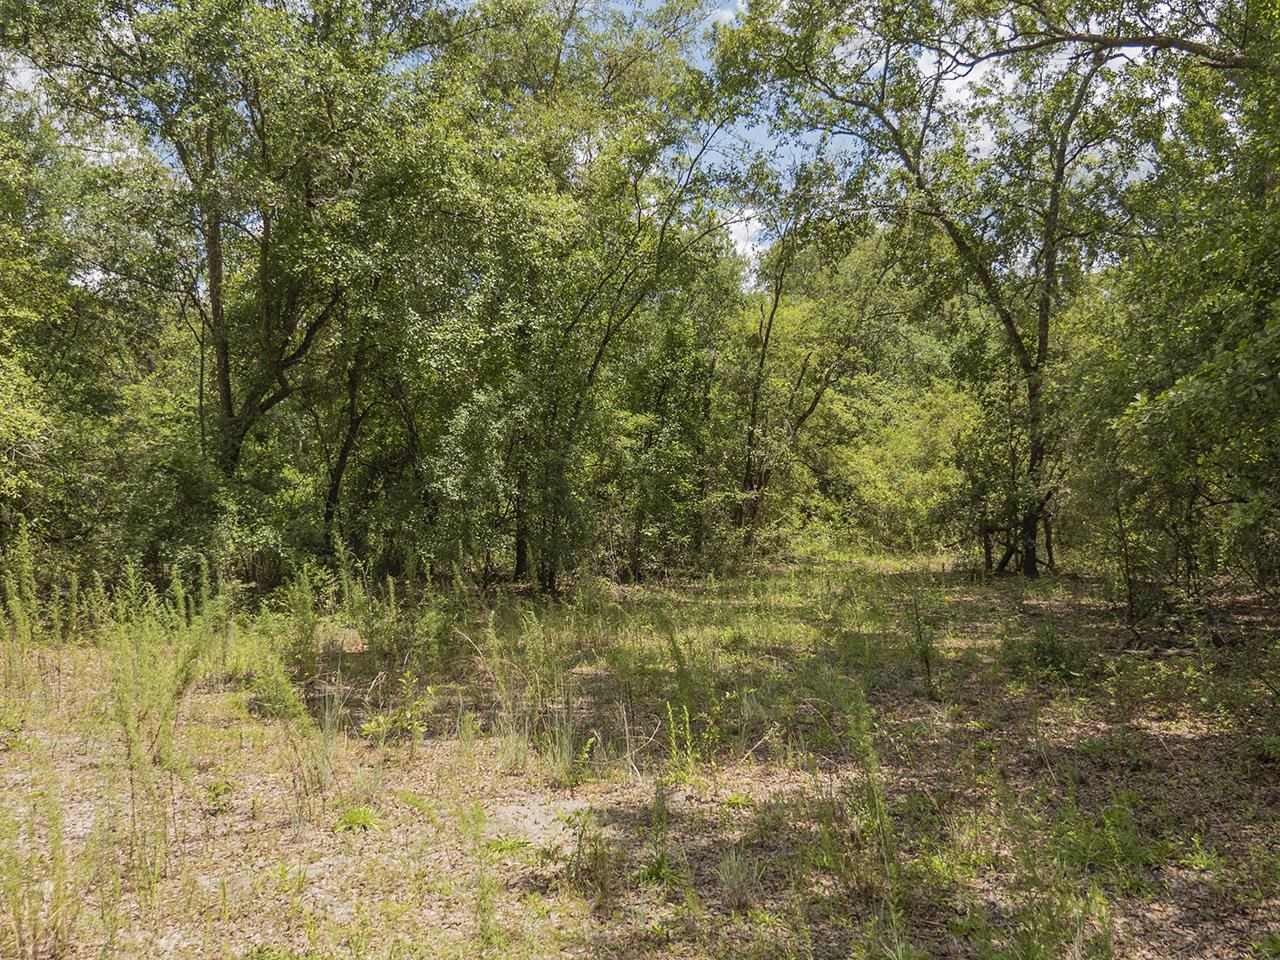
(272, 693)
(1046, 654)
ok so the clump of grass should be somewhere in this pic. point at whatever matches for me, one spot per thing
(310, 750)
(592, 864)
(357, 819)
(513, 746)
(661, 869)
(1109, 844)
(418, 804)
(302, 645)
(564, 754)
(485, 884)
(740, 876)
(272, 694)
(889, 927)
(1265, 947)
(153, 646)
(1202, 858)
(1265, 749)
(268, 952)
(217, 796)
(923, 645)
(468, 731)
(40, 896)
(680, 752)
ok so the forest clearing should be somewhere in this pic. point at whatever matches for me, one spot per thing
(733, 479)
(828, 759)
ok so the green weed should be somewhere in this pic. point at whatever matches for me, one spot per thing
(358, 819)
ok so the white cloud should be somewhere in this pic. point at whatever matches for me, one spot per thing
(723, 16)
(18, 74)
(744, 231)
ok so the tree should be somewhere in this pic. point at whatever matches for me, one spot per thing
(273, 121)
(1019, 167)
(1175, 393)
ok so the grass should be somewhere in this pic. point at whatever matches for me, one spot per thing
(741, 875)
(357, 819)
(859, 757)
(38, 889)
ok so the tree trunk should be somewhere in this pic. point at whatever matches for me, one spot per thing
(549, 553)
(521, 570)
(1029, 535)
(333, 497)
(1126, 565)
(230, 433)
(355, 418)
(635, 565)
(700, 458)
(547, 574)
(746, 511)
(1030, 528)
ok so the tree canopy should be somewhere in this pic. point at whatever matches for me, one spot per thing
(531, 288)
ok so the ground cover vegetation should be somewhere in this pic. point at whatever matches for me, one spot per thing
(555, 478)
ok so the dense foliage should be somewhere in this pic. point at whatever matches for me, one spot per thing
(456, 288)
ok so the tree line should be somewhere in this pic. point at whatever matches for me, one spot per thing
(456, 288)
